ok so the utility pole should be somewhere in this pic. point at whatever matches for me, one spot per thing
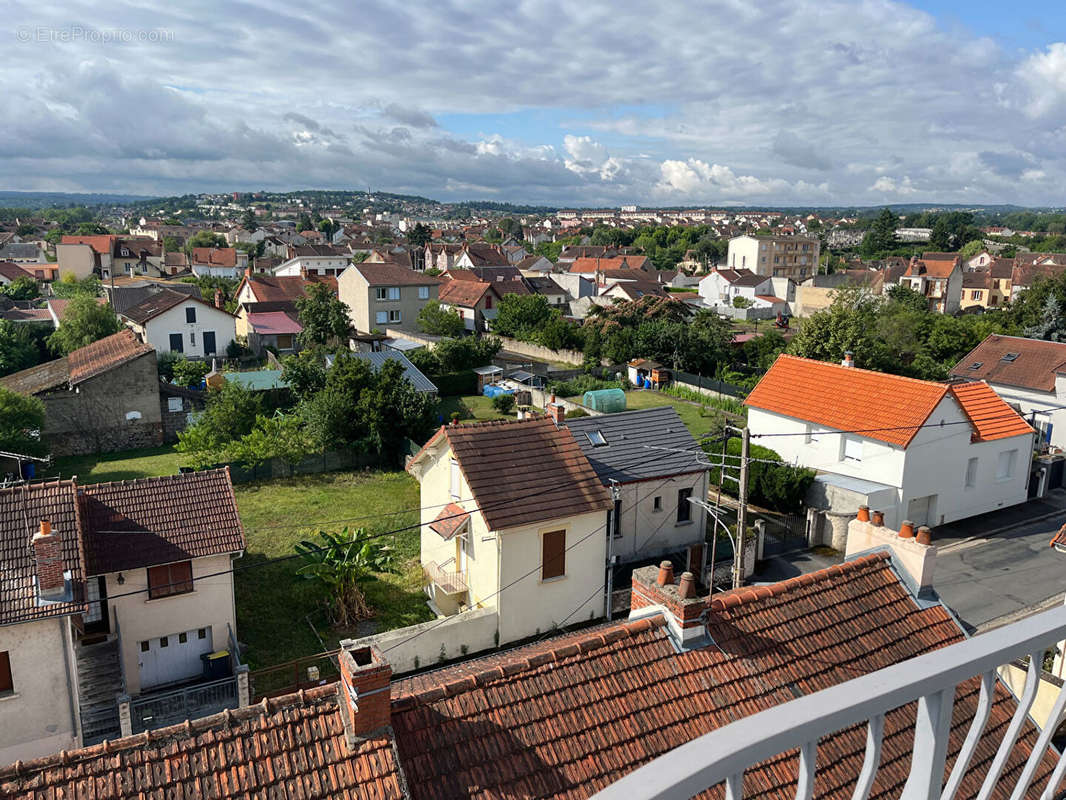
(612, 529)
(742, 510)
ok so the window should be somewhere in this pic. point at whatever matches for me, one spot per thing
(144, 647)
(381, 317)
(1010, 357)
(7, 684)
(190, 314)
(387, 293)
(657, 504)
(976, 294)
(852, 449)
(395, 316)
(125, 252)
(192, 338)
(164, 641)
(596, 438)
(553, 555)
(183, 638)
(455, 482)
(174, 404)
(976, 365)
(811, 434)
(488, 301)
(971, 473)
(684, 507)
(169, 579)
(201, 633)
(176, 345)
(380, 293)
(1005, 465)
(423, 292)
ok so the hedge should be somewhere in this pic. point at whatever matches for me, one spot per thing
(452, 384)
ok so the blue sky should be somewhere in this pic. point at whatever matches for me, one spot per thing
(713, 102)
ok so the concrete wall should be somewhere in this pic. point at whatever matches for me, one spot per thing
(209, 605)
(433, 642)
(75, 259)
(647, 532)
(575, 357)
(38, 718)
(208, 318)
(810, 299)
(175, 421)
(360, 297)
(92, 418)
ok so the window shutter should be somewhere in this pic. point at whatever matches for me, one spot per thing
(6, 682)
(553, 562)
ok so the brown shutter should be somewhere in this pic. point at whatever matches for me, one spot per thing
(158, 578)
(553, 562)
(170, 579)
(6, 682)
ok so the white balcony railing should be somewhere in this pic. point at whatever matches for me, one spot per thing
(722, 756)
(450, 582)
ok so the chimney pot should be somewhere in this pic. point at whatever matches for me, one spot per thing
(864, 514)
(666, 573)
(687, 587)
(925, 535)
(906, 529)
(849, 359)
(878, 518)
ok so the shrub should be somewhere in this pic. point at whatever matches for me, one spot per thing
(582, 384)
(577, 412)
(778, 486)
(504, 403)
(189, 373)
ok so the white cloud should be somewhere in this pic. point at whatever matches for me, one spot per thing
(1044, 75)
(891, 186)
(696, 177)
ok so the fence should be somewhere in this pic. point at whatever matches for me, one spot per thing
(330, 461)
(291, 676)
(169, 708)
(709, 386)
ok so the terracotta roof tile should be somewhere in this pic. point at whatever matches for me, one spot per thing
(449, 521)
(273, 288)
(214, 256)
(847, 398)
(21, 510)
(465, 293)
(617, 264)
(160, 302)
(105, 354)
(139, 523)
(991, 417)
(1034, 365)
(393, 275)
(12, 271)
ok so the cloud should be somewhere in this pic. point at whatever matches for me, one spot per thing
(892, 186)
(1044, 76)
(411, 117)
(791, 149)
(589, 157)
(695, 177)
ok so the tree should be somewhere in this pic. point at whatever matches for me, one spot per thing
(1052, 323)
(740, 301)
(69, 287)
(84, 322)
(328, 227)
(504, 403)
(521, 316)
(21, 424)
(189, 373)
(18, 351)
(230, 414)
(282, 436)
(248, 221)
(419, 236)
(510, 227)
(323, 316)
(171, 244)
(455, 355)
(22, 288)
(338, 562)
(434, 319)
(305, 372)
(779, 486)
(303, 223)
(849, 323)
(881, 237)
(971, 249)
(206, 239)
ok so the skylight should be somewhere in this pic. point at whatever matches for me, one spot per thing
(596, 438)
(976, 365)
(1011, 356)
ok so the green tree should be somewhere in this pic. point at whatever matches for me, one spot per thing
(504, 403)
(1052, 323)
(186, 372)
(323, 316)
(434, 319)
(84, 322)
(455, 355)
(206, 239)
(510, 227)
(881, 237)
(303, 223)
(971, 249)
(22, 288)
(849, 323)
(248, 221)
(304, 372)
(171, 244)
(69, 287)
(521, 316)
(419, 236)
(230, 414)
(21, 424)
(18, 351)
(338, 562)
(740, 301)
(282, 436)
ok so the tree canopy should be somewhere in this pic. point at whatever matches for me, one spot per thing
(439, 321)
(84, 322)
(21, 424)
(323, 316)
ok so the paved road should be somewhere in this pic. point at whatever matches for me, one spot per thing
(1013, 573)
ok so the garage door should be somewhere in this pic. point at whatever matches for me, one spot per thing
(920, 510)
(174, 657)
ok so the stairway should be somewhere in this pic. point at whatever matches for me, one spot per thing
(99, 684)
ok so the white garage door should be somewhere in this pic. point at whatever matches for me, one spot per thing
(173, 658)
(920, 510)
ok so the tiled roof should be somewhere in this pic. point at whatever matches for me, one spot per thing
(485, 255)
(214, 256)
(975, 280)
(26, 315)
(617, 264)
(1025, 275)
(524, 471)
(1034, 366)
(991, 417)
(565, 718)
(934, 268)
(393, 275)
(287, 747)
(101, 244)
(138, 523)
(105, 354)
(41, 378)
(21, 510)
(464, 293)
(136, 245)
(847, 398)
(626, 456)
(273, 288)
(161, 302)
(266, 323)
(13, 271)
(448, 522)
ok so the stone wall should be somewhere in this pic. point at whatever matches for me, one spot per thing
(174, 422)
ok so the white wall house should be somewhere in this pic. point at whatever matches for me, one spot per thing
(525, 537)
(929, 452)
(1029, 374)
(174, 322)
(314, 260)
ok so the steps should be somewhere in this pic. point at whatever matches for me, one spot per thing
(99, 684)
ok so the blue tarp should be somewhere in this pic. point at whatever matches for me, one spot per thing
(492, 390)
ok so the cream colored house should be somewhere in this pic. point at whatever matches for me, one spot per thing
(175, 322)
(514, 518)
(384, 295)
(793, 257)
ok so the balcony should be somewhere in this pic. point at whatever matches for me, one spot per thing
(721, 757)
(447, 582)
(447, 590)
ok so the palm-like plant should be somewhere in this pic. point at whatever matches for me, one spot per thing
(339, 561)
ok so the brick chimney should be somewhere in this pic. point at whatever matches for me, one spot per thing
(915, 556)
(655, 592)
(557, 413)
(48, 553)
(218, 298)
(365, 695)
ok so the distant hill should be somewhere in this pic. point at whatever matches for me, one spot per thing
(62, 199)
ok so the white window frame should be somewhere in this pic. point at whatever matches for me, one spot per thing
(456, 480)
(392, 293)
(423, 292)
(1005, 464)
(395, 315)
(175, 401)
(971, 473)
(851, 448)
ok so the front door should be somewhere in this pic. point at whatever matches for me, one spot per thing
(209, 343)
(174, 657)
(96, 617)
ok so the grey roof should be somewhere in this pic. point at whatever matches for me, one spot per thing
(410, 371)
(125, 297)
(19, 250)
(639, 445)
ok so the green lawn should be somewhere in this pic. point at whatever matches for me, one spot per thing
(280, 615)
(696, 418)
(118, 466)
(470, 407)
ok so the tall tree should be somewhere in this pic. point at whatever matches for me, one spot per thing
(419, 235)
(84, 322)
(323, 316)
(439, 321)
(18, 351)
(881, 237)
(21, 423)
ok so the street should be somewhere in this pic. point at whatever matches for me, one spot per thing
(1013, 573)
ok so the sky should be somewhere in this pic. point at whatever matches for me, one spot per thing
(557, 102)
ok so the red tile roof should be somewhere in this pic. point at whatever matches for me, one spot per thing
(139, 523)
(287, 747)
(105, 354)
(449, 521)
(1035, 365)
(101, 244)
(214, 256)
(21, 510)
(12, 271)
(990, 416)
(617, 264)
(393, 275)
(933, 267)
(161, 302)
(273, 288)
(506, 462)
(465, 293)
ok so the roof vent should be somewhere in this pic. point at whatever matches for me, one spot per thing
(1010, 357)
(976, 365)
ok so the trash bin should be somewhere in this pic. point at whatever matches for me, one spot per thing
(216, 665)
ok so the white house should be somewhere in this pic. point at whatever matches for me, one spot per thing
(514, 518)
(928, 452)
(314, 259)
(722, 286)
(1029, 374)
(793, 257)
(175, 322)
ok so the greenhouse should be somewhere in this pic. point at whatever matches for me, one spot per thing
(606, 400)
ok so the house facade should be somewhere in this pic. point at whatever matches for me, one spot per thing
(174, 322)
(475, 301)
(794, 257)
(381, 295)
(218, 262)
(938, 279)
(521, 534)
(314, 259)
(921, 451)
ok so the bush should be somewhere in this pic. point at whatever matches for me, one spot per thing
(581, 384)
(453, 384)
(189, 373)
(165, 364)
(577, 412)
(780, 486)
(504, 403)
